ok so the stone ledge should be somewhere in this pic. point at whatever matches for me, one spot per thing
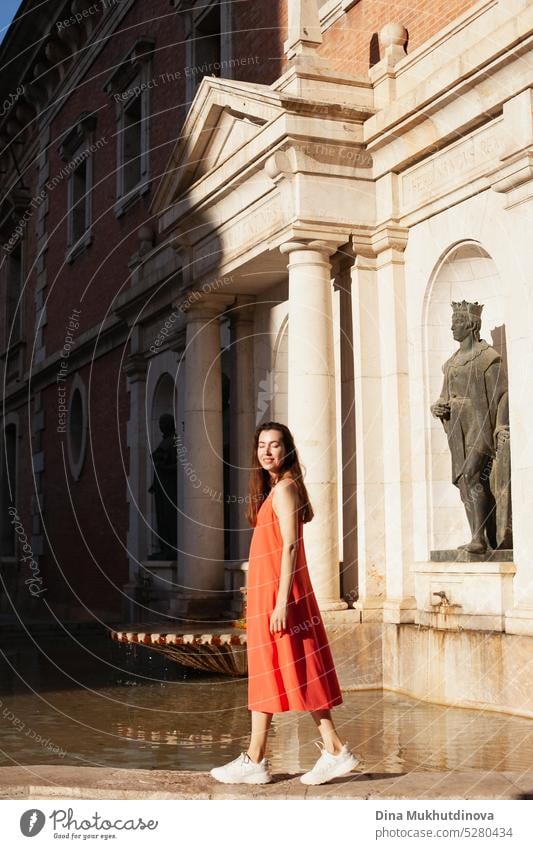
(456, 557)
(65, 782)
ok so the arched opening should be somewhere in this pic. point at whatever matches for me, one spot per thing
(9, 490)
(163, 403)
(466, 272)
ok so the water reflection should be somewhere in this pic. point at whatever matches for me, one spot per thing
(68, 707)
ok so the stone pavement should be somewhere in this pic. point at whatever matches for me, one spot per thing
(67, 782)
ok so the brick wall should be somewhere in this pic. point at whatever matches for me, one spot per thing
(96, 502)
(347, 43)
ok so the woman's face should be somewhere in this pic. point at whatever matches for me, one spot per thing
(270, 450)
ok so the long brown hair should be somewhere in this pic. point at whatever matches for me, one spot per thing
(260, 483)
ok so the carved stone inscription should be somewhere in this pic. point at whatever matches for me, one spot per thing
(448, 169)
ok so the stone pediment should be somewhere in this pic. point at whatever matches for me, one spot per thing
(224, 116)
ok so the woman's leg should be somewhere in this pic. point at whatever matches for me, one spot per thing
(324, 723)
(258, 739)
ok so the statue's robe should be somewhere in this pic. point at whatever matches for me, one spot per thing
(475, 391)
(474, 385)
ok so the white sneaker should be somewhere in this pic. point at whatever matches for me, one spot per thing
(243, 770)
(330, 766)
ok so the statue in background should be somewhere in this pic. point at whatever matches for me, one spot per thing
(474, 410)
(165, 489)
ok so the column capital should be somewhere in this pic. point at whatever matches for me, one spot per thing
(135, 368)
(318, 245)
(197, 304)
(242, 309)
(389, 236)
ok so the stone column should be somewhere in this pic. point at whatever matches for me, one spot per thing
(400, 604)
(135, 370)
(368, 436)
(383, 432)
(514, 180)
(242, 408)
(200, 454)
(311, 404)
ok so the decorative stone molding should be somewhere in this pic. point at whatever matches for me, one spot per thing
(514, 174)
(304, 35)
(280, 165)
(73, 36)
(388, 237)
(198, 304)
(58, 53)
(332, 10)
(323, 247)
(393, 40)
(515, 178)
(135, 368)
(134, 60)
(304, 28)
(79, 134)
(146, 237)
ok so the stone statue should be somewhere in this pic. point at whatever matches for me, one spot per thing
(474, 410)
(165, 489)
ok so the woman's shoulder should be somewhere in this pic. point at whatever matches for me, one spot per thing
(287, 489)
(285, 483)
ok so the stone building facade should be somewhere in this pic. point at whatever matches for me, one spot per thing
(279, 240)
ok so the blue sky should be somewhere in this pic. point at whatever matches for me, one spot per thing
(7, 13)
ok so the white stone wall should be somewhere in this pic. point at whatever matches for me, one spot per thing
(503, 283)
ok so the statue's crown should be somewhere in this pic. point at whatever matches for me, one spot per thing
(472, 309)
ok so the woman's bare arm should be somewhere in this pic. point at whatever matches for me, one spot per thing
(285, 503)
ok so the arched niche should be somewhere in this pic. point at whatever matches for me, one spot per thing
(465, 272)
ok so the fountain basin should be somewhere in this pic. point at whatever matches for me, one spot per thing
(211, 649)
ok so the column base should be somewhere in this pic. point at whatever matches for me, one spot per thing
(235, 580)
(370, 608)
(399, 610)
(332, 604)
(519, 620)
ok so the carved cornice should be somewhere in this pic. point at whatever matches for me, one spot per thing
(135, 367)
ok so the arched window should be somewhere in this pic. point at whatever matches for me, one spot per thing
(8, 465)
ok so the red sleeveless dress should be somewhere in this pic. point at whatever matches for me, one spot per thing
(292, 669)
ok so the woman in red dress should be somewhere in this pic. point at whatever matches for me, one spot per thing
(290, 666)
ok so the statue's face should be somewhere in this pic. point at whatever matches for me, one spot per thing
(461, 326)
(270, 450)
